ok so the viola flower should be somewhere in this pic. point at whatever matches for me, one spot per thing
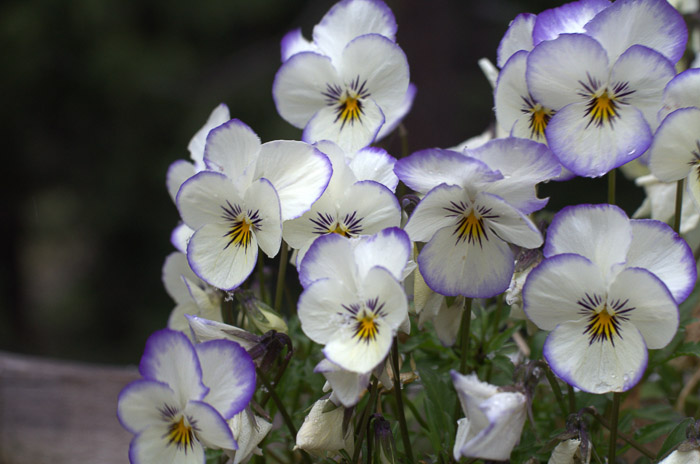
(192, 295)
(494, 419)
(605, 110)
(660, 203)
(608, 289)
(321, 434)
(353, 301)
(249, 430)
(475, 205)
(324, 86)
(350, 206)
(186, 394)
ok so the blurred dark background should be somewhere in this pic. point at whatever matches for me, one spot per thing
(100, 96)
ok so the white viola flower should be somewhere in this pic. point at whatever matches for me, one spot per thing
(475, 205)
(433, 307)
(180, 237)
(181, 170)
(683, 91)
(605, 109)
(192, 295)
(682, 457)
(518, 37)
(608, 289)
(321, 434)
(349, 207)
(373, 163)
(353, 301)
(249, 430)
(569, 452)
(494, 419)
(347, 386)
(660, 203)
(184, 399)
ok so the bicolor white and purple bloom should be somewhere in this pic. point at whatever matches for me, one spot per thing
(475, 206)
(185, 398)
(494, 419)
(351, 84)
(239, 203)
(608, 289)
(353, 301)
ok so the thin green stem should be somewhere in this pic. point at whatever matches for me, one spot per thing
(556, 390)
(622, 436)
(261, 277)
(417, 415)
(281, 275)
(572, 399)
(679, 206)
(614, 413)
(366, 413)
(497, 315)
(399, 401)
(611, 187)
(466, 333)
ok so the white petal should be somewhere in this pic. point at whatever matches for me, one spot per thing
(202, 197)
(681, 92)
(299, 86)
(261, 198)
(510, 94)
(389, 248)
(180, 236)
(517, 37)
(330, 256)
(510, 225)
(347, 386)
(212, 429)
(374, 163)
(231, 148)
(323, 431)
(139, 402)
(298, 171)
(350, 19)
(597, 367)
(655, 314)
(564, 452)
(218, 116)
(178, 172)
(553, 289)
(430, 214)
(218, 261)
(320, 309)
(461, 438)
(393, 115)
(249, 430)
(447, 321)
(578, 229)
(169, 357)
(662, 252)
(229, 372)
(674, 145)
(152, 446)
(652, 23)
(566, 19)
(174, 269)
(293, 42)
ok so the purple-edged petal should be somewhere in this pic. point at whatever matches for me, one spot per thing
(349, 19)
(138, 403)
(202, 197)
(374, 163)
(169, 357)
(299, 86)
(430, 215)
(211, 428)
(347, 386)
(681, 92)
(517, 37)
(293, 42)
(231, 148)
(351, 135)
(657, 248)
(578, 229)
(174, 269)
(321, 261)
(673, 151)
(218, 116)
(652, 23)
(229, 372)
(426, 169)
(298, 171)
(262, 201)
(654, 312)
(566, 19)
(597, 367)
(180, 236)
(509, 224)
(514, 107)
(395, 114)
(178, 172)
(320, 308)
(590, 149)
(390, 248)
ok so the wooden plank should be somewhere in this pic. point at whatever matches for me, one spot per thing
(61, 412)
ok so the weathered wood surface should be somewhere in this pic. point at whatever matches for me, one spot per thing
(61, 412)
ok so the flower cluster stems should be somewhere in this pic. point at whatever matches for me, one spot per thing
(466, 331)
(622, 436)
(556, 390)
(614, 413)
(572, 399)
(369, 408)
(281, 275)
(679, 207)
(399, 401)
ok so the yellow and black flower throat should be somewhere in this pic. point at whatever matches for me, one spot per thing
(603, 325)
(180, 432)
(470, 226)
(348, 103)
(242, 225)
(538, 117)
(364, 317)
(603, 103)
(350, 226)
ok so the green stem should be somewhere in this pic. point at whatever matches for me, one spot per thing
(622, 436)
(556, 390)
(679, 206)
(417, 415)
(572, 399)
(611, 188)
(281, 274)
(399, 401)
(466, 332)
(614, 413)
(261, 277)
(497, 320)
(369, 407)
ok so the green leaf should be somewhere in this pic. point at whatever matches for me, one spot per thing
(651, 432)
(674, 438)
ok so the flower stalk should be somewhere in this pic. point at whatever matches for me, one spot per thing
(679, 206)
(399, 401)
(466, 331)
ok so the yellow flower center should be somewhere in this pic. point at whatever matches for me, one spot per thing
(180, 435)
(366, 328)
(539, 118)
(240, 233)
(602, 109)
(471, 228)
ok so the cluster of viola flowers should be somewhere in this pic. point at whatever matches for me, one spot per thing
(579, 91)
